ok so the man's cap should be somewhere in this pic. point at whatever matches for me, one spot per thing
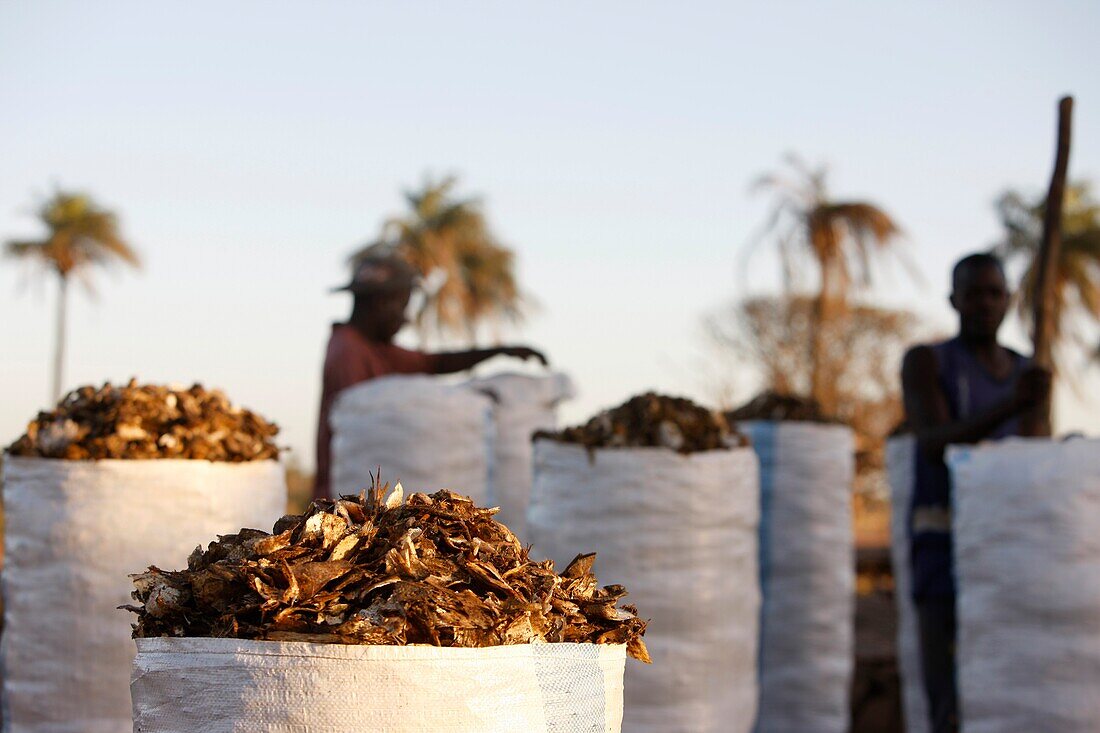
(380, 273)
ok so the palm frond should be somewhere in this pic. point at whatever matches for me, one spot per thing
(1084, 242)
(1078, 283)
(442, 233)
(27, 249)
(1022, 225)
(869, 229)
(80, 234)
(814, 178)
(865, 219)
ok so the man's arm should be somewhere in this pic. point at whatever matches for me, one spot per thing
(927, 412)
(457, 361)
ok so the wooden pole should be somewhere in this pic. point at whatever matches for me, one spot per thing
(1048, 258)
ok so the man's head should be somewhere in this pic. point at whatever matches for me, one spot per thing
(979, 293)
(382, 285)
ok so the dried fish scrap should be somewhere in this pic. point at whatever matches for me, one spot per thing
(148, 421)
(653, 420)
(367, 570)
(775, 406)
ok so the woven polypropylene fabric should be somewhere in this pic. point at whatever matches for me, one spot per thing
(900, 462)
(807, 575)
(522, 405)
(420, 430)
(231, 685)
(74, 531)
(1026, 523)
(680, 533)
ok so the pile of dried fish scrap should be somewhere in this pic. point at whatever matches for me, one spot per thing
(775, 406)
(366, 570)
(148, 421)
(653, 420)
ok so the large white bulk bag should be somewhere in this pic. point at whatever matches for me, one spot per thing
(900, 463)
(1026, 524)
(420, 430)
(522, 405)
(807, 575)
(224, 685)
(679, 531)
(74, 532)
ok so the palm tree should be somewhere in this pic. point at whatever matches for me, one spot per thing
(1077, 288)
(841, 238)
(490, 291)
(80, 234)
(470, 276)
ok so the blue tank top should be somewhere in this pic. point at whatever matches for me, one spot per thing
(969, 389)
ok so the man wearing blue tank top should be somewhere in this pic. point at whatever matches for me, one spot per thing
(965, 390)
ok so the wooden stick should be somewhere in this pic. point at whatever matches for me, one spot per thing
(1048, 258)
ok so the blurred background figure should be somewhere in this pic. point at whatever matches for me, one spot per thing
(963, 390)
(363, 348)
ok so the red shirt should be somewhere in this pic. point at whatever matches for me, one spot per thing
(350, 359)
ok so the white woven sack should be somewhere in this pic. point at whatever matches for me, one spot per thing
(1026, 523)
(900, 463)
(419, 430)
(680, 533)
(74, 531)
(807, 575)
(522, 405)
(231, 685)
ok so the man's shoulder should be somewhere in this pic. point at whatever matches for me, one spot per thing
(344, 344)
(920, 367)
(919, 354)
(931, 350)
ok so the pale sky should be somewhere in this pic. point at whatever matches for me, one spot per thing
(248, 147)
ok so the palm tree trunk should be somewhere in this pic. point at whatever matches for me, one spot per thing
(59, 336)
(828, 307)
(819, 378)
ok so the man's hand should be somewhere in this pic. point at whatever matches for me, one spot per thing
(1033, 388)
(523, 352)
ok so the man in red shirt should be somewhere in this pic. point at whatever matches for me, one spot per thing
(363, 348)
